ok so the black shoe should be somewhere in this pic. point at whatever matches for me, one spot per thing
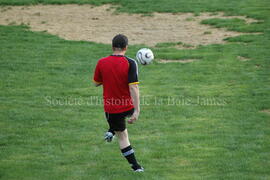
(137, 168)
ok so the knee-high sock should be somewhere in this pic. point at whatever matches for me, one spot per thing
(128, 153)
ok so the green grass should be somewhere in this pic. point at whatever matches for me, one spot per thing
(224, 138)
(235, 25)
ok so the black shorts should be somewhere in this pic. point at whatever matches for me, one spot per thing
(117, 122)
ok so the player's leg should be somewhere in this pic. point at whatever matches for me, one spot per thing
(123, 138)
(127, 150)
(110, 133)
(117, 124)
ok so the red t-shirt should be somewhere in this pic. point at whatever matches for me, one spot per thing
(116, 72)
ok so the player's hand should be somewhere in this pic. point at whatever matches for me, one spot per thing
(134, 117)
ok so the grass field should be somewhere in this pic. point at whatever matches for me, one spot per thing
(220, 128)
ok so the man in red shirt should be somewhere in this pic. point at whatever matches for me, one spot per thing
(119, 76)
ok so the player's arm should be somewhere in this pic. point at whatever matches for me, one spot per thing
(97, 80)
(134, 89)
(135, 96)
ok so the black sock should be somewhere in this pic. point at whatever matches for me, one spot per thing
(128, 152)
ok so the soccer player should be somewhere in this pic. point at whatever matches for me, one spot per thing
(119, 76)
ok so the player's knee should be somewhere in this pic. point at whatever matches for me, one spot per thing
(122, 134)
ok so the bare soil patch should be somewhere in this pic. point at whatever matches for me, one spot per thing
(101, 23)
(241, 58)
(267, 111)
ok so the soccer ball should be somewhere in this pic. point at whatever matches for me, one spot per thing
(145, 56)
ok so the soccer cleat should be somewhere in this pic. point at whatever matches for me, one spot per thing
(108, 136)
(137, 168)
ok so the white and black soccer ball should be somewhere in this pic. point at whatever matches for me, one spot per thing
(145, 56)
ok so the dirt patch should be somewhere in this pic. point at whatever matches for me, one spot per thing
(267, 111)
(164, 61)
(100, 24)
(241, 58)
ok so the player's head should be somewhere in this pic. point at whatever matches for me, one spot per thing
(119, 42)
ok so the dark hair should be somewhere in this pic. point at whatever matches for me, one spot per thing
(120, 41)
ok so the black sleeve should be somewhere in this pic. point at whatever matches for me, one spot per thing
(132, 72)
